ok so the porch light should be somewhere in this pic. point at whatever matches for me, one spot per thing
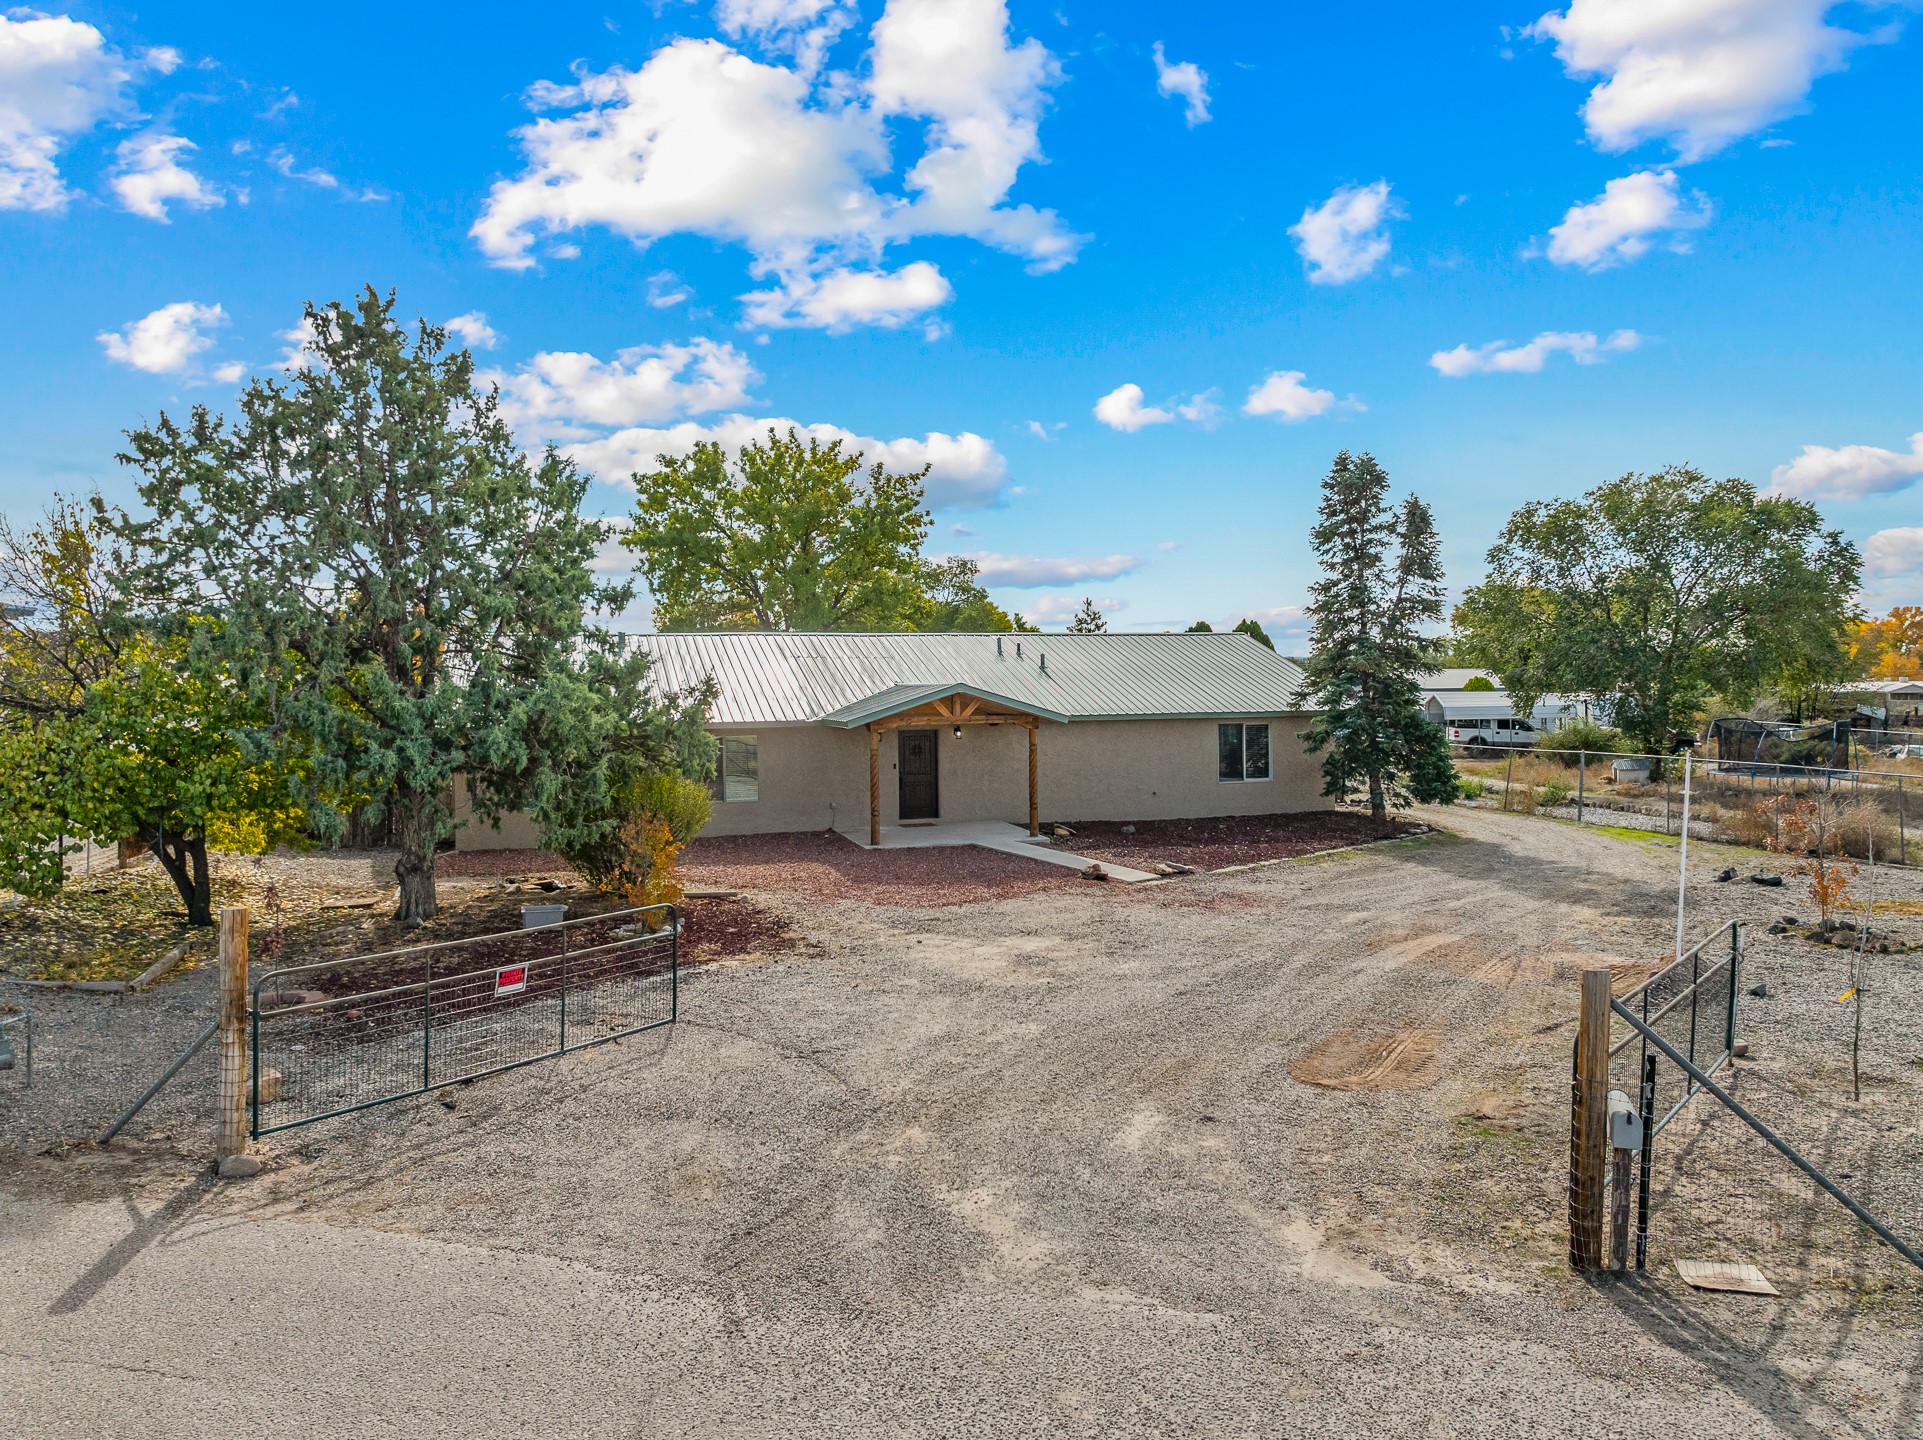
(958, 732)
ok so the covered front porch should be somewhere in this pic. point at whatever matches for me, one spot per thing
(912, 720)
(998, 835)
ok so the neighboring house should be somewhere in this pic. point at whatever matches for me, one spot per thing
(1446, 701)
(857, 732)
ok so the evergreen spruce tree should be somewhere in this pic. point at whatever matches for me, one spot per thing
(1381, 583)
(1088, 620)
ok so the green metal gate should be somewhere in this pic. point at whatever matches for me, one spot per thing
(342, 1035)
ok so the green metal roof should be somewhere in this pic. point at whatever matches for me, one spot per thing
(798, 677)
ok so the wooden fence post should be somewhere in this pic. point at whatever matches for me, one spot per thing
(232, 1133)
(1589, 1124)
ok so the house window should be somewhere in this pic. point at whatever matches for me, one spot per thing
(737, 774)
(1243, 752)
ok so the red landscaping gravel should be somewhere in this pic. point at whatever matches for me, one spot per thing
(499, 864)
(821, 866)
(1225, 840)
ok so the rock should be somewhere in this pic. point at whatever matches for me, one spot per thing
(550, 885)
(270, 1082)
(1062, 832)
(1776, 880)
(1095, 872)
(1740, 1049)
(1128, 829)
(1727, 873)
(1778, 929)
(1789, 919)
(1760, 990)
(447, 1102)
(1169, 867)
(241, 1167)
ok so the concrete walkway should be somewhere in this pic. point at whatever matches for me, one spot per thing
(991, 835)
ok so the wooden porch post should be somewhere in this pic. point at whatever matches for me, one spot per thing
(1034, 808)
(874, 786)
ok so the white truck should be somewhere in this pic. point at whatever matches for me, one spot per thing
(1502, 733)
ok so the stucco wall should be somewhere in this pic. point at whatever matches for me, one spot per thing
(1090, 770)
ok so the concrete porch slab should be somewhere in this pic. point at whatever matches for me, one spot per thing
(991, 835)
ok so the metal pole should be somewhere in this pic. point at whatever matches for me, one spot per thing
(1881, 1230)
(427, 1019)
(1642, 1168)
(564, 990)
(1508, 779)
(674, 963)
(1582, 771)
(1682, 868)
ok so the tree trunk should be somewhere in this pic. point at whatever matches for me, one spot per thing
(184, 858)
(1378, 807)
(415, 831)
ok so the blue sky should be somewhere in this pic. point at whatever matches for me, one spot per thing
(1513, 253)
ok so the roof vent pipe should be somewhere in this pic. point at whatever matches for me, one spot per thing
(1018, 649)
(998, 647)
(1044, 662)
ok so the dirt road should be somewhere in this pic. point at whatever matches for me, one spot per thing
(1269, 1153)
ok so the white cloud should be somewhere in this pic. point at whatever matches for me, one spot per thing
(1060, 609)
(1894, 552)
(665, 290)
(299, 339)
(557, 393)
(966, 472)
(1187, 80)
(1044, 432)
(804, 29)
(1278, 620)
(1849, 472)
(1203, 409)
(1346, 236)
(611, 557)
(169, 341)
(1284, 395)
(704, 139)
(473, 331)
(1122, 409)
(1698, 73)
(842, 299)
(150, 174)
(283, 160)
(58, 79)
(1498, 357)
(1023, 572)
(1621, 224)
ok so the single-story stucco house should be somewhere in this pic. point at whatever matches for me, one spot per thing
(857, 732)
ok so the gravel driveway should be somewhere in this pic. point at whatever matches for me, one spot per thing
(1270, 1153)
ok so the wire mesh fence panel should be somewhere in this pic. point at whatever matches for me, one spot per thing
(337, 1036)
(1872, 806)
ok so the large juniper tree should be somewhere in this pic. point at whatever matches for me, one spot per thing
(1381, 584)
(403, 586)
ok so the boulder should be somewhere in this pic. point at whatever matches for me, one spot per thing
(241, 1167)
(1095, 871)
(270, 1082)
(1776, 880)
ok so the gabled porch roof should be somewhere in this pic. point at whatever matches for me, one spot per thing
(897, 699)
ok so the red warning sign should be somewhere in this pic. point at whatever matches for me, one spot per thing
(510, 980)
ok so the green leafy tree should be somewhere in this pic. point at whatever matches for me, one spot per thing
(106, 733)
(397, 584)
(1088, 620)
(1479, 683)
(786, 534)
(1653, 593)
(1381, 583)
(1253, 628)
(956, 601)
(1200, 627)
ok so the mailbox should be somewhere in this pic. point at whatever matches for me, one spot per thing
(1625, 1122)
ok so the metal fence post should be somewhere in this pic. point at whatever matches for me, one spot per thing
(564, 991)
(231, 1138)
(1735, 979)
(1642, 1166)
(674, 962)
(1582, 773)
(1508, 779)
(427, 1019)
(1589, 1123)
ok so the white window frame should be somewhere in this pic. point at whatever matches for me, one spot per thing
(1244, 778)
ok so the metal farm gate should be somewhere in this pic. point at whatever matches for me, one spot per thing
(341, 1035)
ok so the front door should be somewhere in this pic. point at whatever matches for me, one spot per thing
(920, 800)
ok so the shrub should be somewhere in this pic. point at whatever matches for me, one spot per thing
(1583, 734)
(634, 849)
(1469, 787)
(1478, 683)
(1557, 792)
(683, 805)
